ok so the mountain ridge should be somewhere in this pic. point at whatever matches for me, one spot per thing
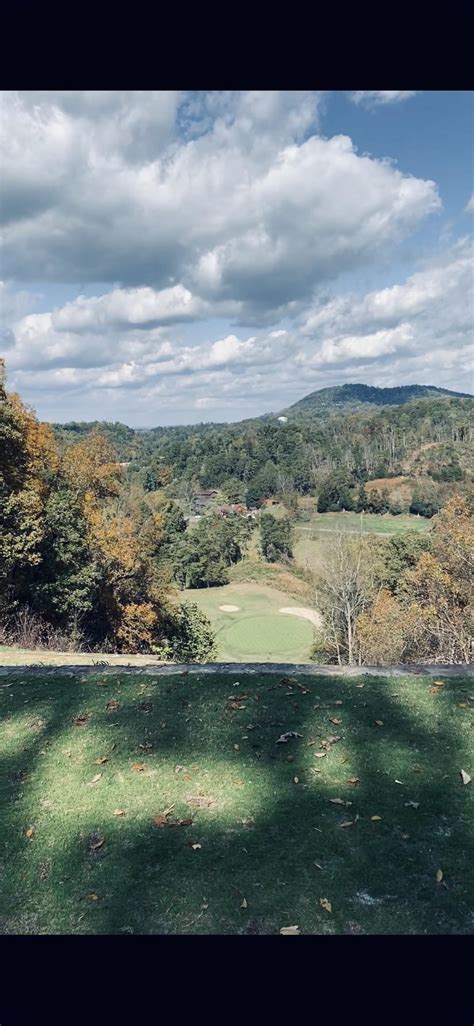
(357, 394)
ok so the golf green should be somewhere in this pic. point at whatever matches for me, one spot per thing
(254, 630)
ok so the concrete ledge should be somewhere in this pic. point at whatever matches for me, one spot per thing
(307, 669)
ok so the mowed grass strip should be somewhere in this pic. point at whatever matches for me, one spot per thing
(365, 523)
(100, 777)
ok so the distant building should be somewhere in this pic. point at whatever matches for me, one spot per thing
(202, 499)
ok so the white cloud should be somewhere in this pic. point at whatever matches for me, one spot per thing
(380, 97)
(252, 209)
(418, 330)
(470, 205)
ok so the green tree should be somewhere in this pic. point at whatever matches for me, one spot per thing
(276, 538)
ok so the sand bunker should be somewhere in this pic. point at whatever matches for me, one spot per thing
(230, 609)
(305, 614)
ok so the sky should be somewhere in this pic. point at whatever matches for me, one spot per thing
(173, 258)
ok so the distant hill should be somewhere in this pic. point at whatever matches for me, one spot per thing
(362, 395)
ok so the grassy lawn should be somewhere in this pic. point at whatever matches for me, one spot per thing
(368, 523)
(257, 631)
(269, 842)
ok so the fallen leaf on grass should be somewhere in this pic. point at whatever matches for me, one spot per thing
(146, 746)
(360, 685)
(238, 783)
(81, 720)
(320, 755)
(290, 758)
(463, 705)
(414, 805)
(334, 720)
(248, 821)
(465, 777)
(200, 801)
(244, 903)
(318, 865)
(325, 904)
(330, 741)
(236, 748)
(119, 812)
(104, 758)
(146, 706)
(439, 875)
(289, 931)
(348, 823)
(92, 897)
(286, 737)
(138, 767)
(29, 833)
(95, 780)
(195, 845)
(375, 819)
(96, 841)
(353, 780)
(112, 705)
(378, 723)
(339, 801)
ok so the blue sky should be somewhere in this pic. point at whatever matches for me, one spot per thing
(178, 257)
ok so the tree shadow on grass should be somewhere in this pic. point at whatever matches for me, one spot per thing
(271, 847)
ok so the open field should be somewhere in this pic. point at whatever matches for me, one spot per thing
(257, 630)
(221, 829)
(365, 523)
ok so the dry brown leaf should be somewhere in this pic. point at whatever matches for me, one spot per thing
(339, 801)
(138, 767)
(360, 685)
(238, 783)
(289, 931)
(463, 705)
(236, 748)
(196, 845)
(119, 812)
(320, 755)
(348, 823)
(145, 746)
(29, 833)
(95, 779)
(338, 702)
(112, 705)
(310, 743)
(439, 875)
(353, 780)
(244, 903)
(92, 897)
(104, 758)
(438, 683)
(465, 777)
(375, 819)
(199, 801)
(333, 719)
(325, 904)
(379, 723)
(96, 841)
(81, 720)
